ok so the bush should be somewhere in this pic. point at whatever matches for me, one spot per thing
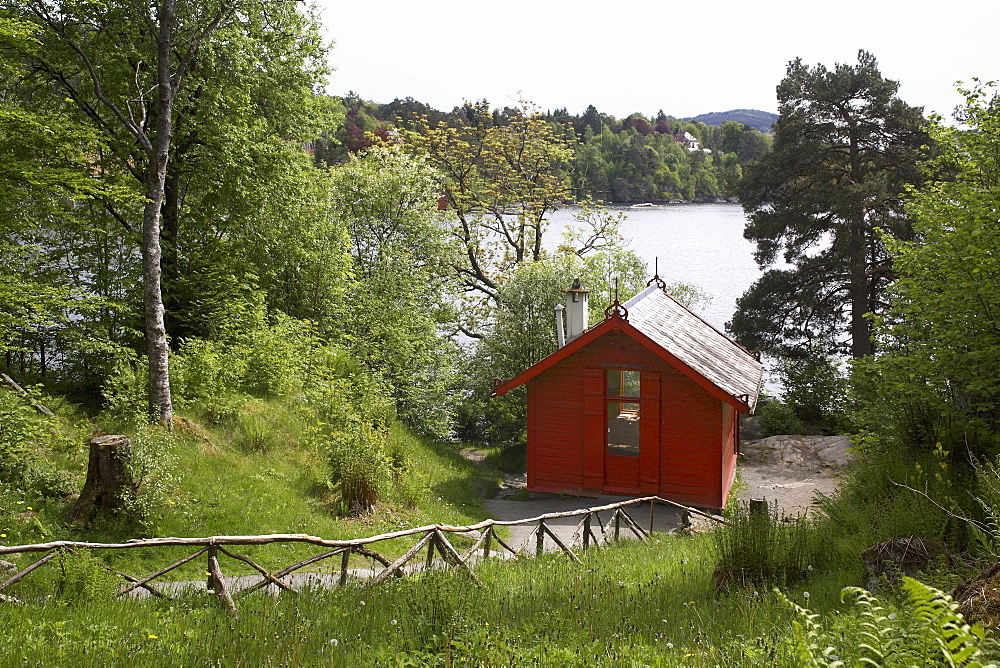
(153, 466)
(778, 418)
(83, 579)
(816, 392)
(26, 439)
(872, 505)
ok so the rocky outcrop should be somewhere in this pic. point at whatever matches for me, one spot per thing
(799, 451)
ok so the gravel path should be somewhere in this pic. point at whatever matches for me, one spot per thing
(791, 470)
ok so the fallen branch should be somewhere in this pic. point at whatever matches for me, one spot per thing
(23, 392)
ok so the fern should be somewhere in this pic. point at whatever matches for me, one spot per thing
(953, 641)
(932, 632)
(809, 636)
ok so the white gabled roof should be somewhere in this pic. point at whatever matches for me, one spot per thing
(705, 349)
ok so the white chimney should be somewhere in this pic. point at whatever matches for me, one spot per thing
(576, 310)
(560, 331)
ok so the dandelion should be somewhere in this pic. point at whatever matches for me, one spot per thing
(20, 503)
(334, 642)
(152, 637)
(394, 622)
(29, 507)
(809, 567)
(805, 595)
(3, 535)
(362, 602)
(669, 645)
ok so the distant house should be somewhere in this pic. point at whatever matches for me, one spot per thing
(646, 402)
(689, 141)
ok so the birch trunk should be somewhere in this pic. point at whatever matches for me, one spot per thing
(161, 405)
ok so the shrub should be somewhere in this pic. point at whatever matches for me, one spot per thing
(153, 466)
(872, 504)
(778, 418)
(83, 579)
(26, 437)
(816, 391)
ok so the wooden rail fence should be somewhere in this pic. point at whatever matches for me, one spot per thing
(433, 538)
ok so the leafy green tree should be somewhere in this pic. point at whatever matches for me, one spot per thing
(150, 79)
(938, 380)
(399, 311)
(500, 183)
(845, 149)
(47, 181)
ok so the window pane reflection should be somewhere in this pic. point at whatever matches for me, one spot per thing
(622, 383)
(623, 428)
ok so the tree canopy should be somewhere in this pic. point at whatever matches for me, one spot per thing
(938, 377)
(820, 205)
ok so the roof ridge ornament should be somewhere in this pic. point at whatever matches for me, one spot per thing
(616, 308)
(656, 276)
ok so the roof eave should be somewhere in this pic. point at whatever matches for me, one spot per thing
(605, 326)
(610, 324)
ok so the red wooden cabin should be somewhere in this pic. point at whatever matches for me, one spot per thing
(646, 402)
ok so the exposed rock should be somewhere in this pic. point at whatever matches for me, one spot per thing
(799, 451)
(893, 558)
(979, 598)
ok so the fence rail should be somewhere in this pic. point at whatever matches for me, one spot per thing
(433, 538)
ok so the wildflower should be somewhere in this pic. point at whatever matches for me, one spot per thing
(362, 602)
(394, 622)
(20, 503)
(3, 535)
(334, 642)
(152, 637)
(29, 507)
(805, 595)
(809, 567)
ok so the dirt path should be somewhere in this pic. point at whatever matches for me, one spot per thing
(787, 470)
(790, 470)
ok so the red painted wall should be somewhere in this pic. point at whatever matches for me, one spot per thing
(695, 464)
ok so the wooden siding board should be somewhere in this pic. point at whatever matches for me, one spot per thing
(593, 432)
(650, 430)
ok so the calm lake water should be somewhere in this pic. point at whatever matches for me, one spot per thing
(698, 244)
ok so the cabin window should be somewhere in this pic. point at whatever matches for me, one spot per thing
(621, 394)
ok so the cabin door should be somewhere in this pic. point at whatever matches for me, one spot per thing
(631, 455)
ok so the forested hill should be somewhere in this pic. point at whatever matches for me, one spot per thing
(754, 118)
(637, 158)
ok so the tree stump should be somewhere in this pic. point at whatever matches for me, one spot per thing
(108, 478)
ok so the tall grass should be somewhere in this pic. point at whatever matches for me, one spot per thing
(635, 604)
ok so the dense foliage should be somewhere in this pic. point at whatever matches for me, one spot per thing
(633, 159)
(936, 380)
(820, 206)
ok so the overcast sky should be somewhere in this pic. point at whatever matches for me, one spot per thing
(684, 58)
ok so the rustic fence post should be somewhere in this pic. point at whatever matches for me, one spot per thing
(618, 522)
(430, 552)
(487, 541)
(652, 508)
(216, 583)
(586, 530)
(540, 538)
(345, 560)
